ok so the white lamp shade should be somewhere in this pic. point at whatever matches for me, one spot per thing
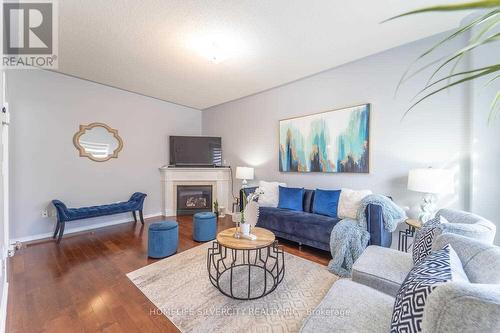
(244, 173)
(431, 180)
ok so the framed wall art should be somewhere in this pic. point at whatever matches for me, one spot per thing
(332, 141)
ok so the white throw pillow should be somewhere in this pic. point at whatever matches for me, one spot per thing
(350, 201)
(269, 196)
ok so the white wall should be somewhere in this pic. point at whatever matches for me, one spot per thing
(46, 110)
(434, 134)
(486, 141)
(48, 107)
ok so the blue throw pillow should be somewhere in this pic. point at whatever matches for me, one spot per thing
(291, 198)
(326, 202)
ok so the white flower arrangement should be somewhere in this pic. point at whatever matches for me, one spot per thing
(254, 196)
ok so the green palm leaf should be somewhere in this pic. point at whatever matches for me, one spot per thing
(460, 31)
(486, 71)
(488, 27)
(472, 71)
(448, 8)
(485, 23)
(465, 50)
(495, 107)
(492, 79)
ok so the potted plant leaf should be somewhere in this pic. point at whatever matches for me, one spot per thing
(216, 208)
(482, 30)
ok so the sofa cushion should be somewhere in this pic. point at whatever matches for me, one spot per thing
(481, 261)
(468, 224)
(300, 224)
(291, 198)
(308, 200)
(463, 307)
(382, 269)
(474, 231)
(351, 307)
(326, 202)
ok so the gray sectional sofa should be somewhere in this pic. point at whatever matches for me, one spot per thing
(387, 275)
(365, 302)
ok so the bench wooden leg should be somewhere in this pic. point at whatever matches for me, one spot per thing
(135, 216)
(57, 229)
(61, 232)
(141, 216)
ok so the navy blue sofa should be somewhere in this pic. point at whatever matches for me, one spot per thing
(314, 229)
(65, 214)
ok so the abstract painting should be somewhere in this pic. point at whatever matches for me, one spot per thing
(332, 141)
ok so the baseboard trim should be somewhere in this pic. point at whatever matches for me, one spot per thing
(5, 292)
(170, 212)
(78, 229)
(3, 306)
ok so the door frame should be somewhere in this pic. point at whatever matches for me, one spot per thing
(4, 118)
(5, 162)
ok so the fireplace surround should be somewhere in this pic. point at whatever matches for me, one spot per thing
(173, 177)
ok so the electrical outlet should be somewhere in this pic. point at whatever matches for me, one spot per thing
(45, 213)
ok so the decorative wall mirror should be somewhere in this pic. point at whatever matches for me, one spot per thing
(98, 141)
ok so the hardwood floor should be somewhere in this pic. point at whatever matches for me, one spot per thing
(80, 284)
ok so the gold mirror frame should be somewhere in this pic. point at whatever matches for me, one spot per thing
(83, 153)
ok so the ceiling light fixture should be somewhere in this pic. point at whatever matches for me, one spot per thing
(215, 53)
(215, 47)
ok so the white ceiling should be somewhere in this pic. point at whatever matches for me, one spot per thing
(150, 46)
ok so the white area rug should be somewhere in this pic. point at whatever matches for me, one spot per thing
(180, 288)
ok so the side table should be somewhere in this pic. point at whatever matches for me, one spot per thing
(411, 226)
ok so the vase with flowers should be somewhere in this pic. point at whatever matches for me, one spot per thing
(247, 218)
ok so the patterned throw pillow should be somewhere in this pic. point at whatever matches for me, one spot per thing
(423, 239)
(409, 305)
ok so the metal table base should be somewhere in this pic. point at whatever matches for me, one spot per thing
(253, 273)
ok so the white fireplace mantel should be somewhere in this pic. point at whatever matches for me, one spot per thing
(171, 177)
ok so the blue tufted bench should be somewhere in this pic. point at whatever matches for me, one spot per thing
(65, 214)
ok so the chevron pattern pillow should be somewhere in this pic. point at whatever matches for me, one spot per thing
(428, 274)
(423, 240)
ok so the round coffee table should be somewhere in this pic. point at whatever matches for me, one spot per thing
(246, 269)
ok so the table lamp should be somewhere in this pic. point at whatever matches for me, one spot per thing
(244, 173)
(430, 182)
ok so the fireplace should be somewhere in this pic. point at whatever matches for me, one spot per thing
(192, 199)
(218, 178)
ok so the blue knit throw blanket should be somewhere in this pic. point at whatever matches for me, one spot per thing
(350, 237)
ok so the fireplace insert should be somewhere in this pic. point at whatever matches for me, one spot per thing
(193, 199)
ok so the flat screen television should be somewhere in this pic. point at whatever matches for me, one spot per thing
(195, 151)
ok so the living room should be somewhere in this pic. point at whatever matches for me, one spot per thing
(263, 166)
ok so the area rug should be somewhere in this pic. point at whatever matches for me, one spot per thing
(180, 288)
